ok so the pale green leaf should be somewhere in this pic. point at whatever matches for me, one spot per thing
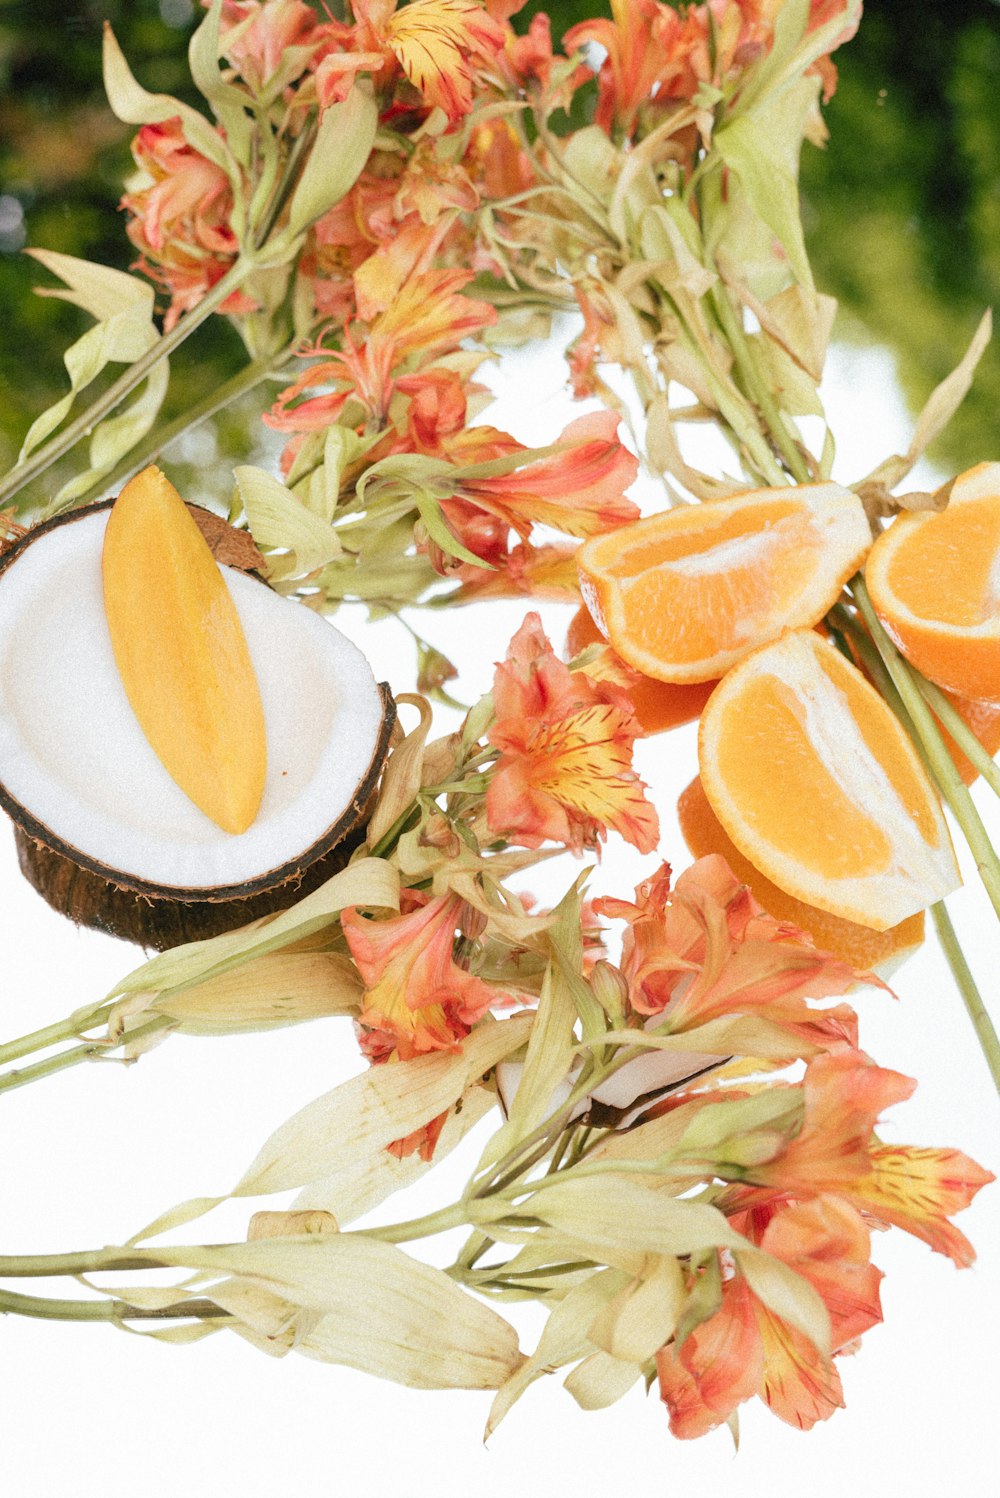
(669, 239)
(756, 147)
(601, 1380)
(280, 988)
(546, 1065)
(370, 882)
(356, 1189)
(342, 146)
(609, 1212)
(402, 776)
(133, 105)
(373, 1110)
(382, 1312)
(98, 289)
(277, 519)
(228, 103)
(641, 1318)
(122, 338)
(943, 402)
(793, 389)
(592, 161)
(564, 1339)
(117, 435)
(787, 1294)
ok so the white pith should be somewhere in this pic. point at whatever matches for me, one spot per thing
(73, 754)
(918, 873)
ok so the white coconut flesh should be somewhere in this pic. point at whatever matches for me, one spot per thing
(73, 755)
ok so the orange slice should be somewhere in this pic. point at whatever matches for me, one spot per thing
(181, 652)
(818, 785)
(684, 595)
(859, 945)
(659, 705)
(984, 720)
(935, 582)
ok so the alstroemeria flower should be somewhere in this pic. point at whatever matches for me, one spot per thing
(428, 317)
(417, 998)
(181, 219)
(836, 1151)
(565, 768)
(266, 32)
(580, 490)
(526, 571)
(438, 44)
(746, 1349)
(707, 949)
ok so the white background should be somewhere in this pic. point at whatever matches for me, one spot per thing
(91, 1155)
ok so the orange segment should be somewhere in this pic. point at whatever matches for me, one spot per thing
(935, 582)
(818, 785)
(984, 720)
(859, 945)
(659, 705)
(181, 652)
(684, 595)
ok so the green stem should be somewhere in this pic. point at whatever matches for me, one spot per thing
(960, 731)
(11, 1303)
(453, 1216)
(40, 1040)
(85, 1261)
(43, 457)
(950, 783)
(966, 983)
(757, 388)
(20, 1077)
(247, 378)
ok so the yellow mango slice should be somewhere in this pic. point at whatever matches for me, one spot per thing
(181, 652)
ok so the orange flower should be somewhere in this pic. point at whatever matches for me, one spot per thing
(565, 767)
(417, 999)
(919, 1189)
(836, 1151)
(428, 317)
(579, 490)
(648, 50)
(181, 220)
(843, 1095)
(708, 949)
(525, 572)
(264, 32)
(746, 1349)
(438, 44)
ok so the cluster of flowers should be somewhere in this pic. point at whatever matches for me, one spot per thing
(690, 1215)
(643, 1081)
(466, 183)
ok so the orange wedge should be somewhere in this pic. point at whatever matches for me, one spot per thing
(659, 705)
(819, 786)
(934, 579)
(859, 945)
(984, 720)
(685, 595)
(181, 652)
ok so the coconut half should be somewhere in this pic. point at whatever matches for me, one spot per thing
(103, 831)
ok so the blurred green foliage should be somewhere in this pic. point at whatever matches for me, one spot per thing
(902, 209)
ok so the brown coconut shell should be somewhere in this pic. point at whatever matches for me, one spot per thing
(121, 904)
